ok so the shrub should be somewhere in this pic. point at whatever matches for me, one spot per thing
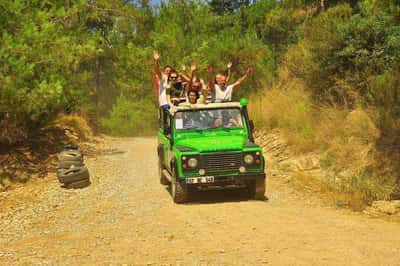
(130, 118)
(289, 110)
(77, 123)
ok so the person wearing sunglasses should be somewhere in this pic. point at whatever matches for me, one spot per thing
(175, 89)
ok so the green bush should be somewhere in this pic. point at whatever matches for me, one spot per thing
(131, 117)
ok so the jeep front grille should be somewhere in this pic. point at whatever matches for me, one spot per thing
(221, 162)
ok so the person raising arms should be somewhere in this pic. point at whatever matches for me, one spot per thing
(161, 81)
(220, 91)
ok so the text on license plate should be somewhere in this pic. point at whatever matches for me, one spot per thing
(201, 179)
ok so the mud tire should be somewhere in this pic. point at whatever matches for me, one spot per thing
(67, 164)
(256, 189)
(163, 180)
(78, 184)
(71, 147)
(70, 155)
(72, 175)
(179, 192)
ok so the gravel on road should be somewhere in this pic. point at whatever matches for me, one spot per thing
(126, 217)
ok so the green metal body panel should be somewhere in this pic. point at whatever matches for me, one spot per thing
(204, 142)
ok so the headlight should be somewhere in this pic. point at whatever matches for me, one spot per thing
(192, 162)
(248, 159)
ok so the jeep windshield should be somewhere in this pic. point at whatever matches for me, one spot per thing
(203, 119)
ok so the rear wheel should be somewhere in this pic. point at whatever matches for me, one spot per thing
(163, 179)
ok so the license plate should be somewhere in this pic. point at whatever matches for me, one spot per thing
(199, 180)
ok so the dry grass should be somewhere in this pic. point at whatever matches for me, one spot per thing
(345, 139)
(289, 109)
(76, 124)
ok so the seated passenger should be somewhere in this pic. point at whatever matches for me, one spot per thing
(192, 99)
(226, 119)
(220, 91)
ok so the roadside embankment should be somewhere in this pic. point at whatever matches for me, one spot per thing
(36, 158)
(307, 173)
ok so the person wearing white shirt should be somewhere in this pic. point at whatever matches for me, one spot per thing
(220, 91)
(162, 79)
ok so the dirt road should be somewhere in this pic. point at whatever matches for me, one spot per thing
(127, 217)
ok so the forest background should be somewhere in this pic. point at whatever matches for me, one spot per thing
(326, 73)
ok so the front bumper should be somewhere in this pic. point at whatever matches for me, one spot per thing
(222, 180)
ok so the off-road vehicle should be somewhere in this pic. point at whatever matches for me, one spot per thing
(209, 146)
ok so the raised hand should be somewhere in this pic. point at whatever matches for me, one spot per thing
(229, 65)
(193, 67)
(249, 70)
(156, 55)
(209, 68)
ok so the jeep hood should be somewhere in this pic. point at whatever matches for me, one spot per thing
(214, 143)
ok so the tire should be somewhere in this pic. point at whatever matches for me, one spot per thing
(70, 155)
(78, 184)
(73, 174)
(163, 180)
(69, 164)
(71, 147)
(179, 192)
(256, 189)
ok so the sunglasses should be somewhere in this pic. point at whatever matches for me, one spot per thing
(173, 78)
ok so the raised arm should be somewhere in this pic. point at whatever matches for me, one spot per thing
(193, 69)
(239, 82)
(186, 78)
(229, 67)
(154, 80)
(156, 57)
(211, 82)
(203, 92)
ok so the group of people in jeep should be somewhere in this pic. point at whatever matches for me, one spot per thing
(175, 88)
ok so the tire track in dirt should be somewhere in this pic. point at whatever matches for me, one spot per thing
(126, 216)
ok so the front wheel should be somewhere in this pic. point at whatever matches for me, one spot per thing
(256, 189)
(179, 192)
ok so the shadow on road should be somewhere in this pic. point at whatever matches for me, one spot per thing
(216, 196)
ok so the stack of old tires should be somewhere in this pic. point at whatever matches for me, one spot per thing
(72, 172)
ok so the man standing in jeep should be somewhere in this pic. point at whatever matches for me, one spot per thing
(220, 91)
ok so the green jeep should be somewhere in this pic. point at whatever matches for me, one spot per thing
(209, 147)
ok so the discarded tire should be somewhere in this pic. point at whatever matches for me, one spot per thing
(69, 164)
(78, 184)
(72, 175)
(70, 155)
(71, 147)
